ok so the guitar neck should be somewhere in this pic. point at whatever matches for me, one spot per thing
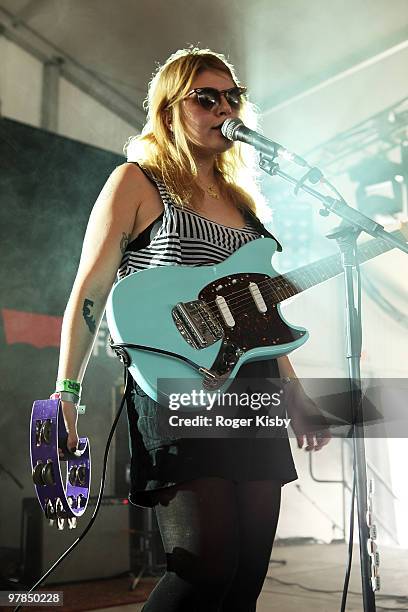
(291, 283)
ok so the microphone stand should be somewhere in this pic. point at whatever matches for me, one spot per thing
(346, 236)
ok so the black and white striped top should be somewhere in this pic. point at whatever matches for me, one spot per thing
(182, 237)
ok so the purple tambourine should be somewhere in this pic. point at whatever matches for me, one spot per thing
(62, 502)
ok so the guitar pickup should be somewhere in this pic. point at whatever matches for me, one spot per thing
(257, 297)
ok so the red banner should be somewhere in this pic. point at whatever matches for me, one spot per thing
(29, 328)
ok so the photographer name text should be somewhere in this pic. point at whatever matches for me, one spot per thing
(234, 423)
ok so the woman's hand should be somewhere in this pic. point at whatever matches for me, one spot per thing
(308, 423)
(70, 415)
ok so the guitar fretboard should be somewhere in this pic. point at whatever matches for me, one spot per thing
(291, 283)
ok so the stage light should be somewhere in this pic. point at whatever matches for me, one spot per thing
(380, 186)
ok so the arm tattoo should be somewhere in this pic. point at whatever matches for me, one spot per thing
(88, 316)
(124, 242)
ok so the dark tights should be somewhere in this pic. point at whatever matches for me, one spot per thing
(218, 537)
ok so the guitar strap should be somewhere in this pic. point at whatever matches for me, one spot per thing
(259, 226)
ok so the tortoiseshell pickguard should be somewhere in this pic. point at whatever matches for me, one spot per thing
(252, 328)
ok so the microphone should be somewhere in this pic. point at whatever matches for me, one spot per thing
(234, 129)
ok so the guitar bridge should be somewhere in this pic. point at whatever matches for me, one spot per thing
(197, 323)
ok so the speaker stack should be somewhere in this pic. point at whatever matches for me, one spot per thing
(104, 552)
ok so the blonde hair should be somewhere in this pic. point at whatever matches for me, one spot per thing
(167, 152)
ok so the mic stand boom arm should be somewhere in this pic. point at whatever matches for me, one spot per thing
(338, 207)
(346, 238)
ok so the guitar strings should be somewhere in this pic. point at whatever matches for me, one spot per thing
(278, 286)
(282, 283)
(332, 261)
(244, 303)
(272, 287)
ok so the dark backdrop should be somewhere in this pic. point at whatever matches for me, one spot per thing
(48, 185)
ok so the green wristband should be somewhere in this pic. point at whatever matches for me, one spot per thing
(72, 386)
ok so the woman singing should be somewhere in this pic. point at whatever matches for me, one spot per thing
(182, 200)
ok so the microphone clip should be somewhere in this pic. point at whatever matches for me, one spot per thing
(314, 175)
(267, 163)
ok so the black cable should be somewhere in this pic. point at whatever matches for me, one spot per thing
(118, 347)
(397, 598)
(353, 493)
(345, 591)
(98, 501)
(305, 588)
(397, 609)
(350, 547)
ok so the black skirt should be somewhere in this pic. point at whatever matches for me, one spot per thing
(159, 461)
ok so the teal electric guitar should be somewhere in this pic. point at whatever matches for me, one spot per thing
(202, 324)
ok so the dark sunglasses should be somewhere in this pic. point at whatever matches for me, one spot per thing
(210, 98)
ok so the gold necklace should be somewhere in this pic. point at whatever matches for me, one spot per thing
(212, 192)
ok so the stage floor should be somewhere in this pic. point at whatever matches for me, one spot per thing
(322, 566)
